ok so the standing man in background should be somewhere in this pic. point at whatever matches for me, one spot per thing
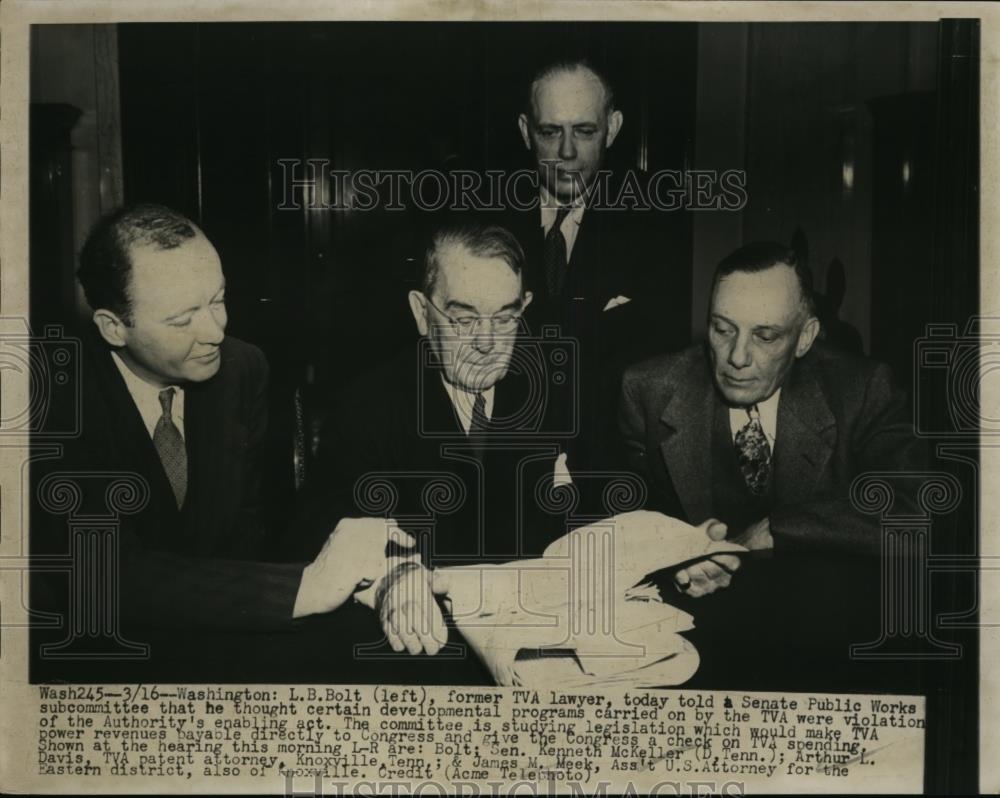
(599, 270)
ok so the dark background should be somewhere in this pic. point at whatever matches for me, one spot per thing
(859, 142)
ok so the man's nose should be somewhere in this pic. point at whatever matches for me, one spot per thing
(482, 337)
(567, 147)
(739, 354)
(212, 329)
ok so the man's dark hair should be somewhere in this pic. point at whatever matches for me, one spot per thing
(762, 255)
(482, 240)
(105, 262)
(567, 65)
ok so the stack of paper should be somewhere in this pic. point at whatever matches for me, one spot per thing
(581, 614)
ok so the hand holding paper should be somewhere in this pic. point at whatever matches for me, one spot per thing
(580, 603)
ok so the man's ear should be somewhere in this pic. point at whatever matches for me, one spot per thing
(526, 300)
(525, 126)
(806, 336)
(111, 327)
(615, 122)
(418, 307)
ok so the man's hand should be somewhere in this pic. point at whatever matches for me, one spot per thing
(408, 611)
(708, 575)
(353, 556)
(757, 536)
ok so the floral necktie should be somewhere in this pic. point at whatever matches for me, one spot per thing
(754, 453)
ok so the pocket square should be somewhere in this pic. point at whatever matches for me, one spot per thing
(618, 300)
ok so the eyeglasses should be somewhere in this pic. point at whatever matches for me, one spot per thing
(502, 323)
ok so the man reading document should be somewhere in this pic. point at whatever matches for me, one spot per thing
(765, 429)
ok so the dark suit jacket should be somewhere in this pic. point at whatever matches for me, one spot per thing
(191, 567)
(838, 416)
(617, 253)
(394, 447)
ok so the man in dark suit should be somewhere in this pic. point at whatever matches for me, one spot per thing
(765, 430)
(448, 437)
(597, 268)
(170, 400)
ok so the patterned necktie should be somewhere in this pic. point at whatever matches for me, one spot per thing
(554, 258)
(170, 446)
(753, 453)
(477, 429)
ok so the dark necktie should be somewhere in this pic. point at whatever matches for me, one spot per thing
(478, 426)
(170, 446)
(554, 256)
(754, 453)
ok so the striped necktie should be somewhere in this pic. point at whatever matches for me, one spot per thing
(554, 256)
(170, 446)
(479, 425)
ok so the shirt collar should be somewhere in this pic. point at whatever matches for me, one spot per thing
(145, 394)
(550, 207)
(768, 410)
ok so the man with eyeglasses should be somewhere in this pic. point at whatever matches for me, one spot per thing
(474, 274)
(451, 434)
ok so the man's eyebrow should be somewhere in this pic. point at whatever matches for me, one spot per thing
(180, 313)
(195, 308)
(457, 305)
(775, 328)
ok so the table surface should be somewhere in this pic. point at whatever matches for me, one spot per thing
(783, 624)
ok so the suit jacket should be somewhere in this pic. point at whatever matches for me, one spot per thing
(617, 254)
(394, 447)
(192, 567)
(838, 416)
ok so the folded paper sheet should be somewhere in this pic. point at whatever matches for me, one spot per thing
(580, 614)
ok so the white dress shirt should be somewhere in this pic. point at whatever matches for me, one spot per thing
(463, 401)
(768, 409)
(147, 398)
(570, 225)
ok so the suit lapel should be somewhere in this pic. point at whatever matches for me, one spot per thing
(687, 445)
(438, 414)
(200, 425)
(806, 435)
(215, 438)
(130, 433)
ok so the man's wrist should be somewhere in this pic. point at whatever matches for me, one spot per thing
(396, 572)
(317, 594)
